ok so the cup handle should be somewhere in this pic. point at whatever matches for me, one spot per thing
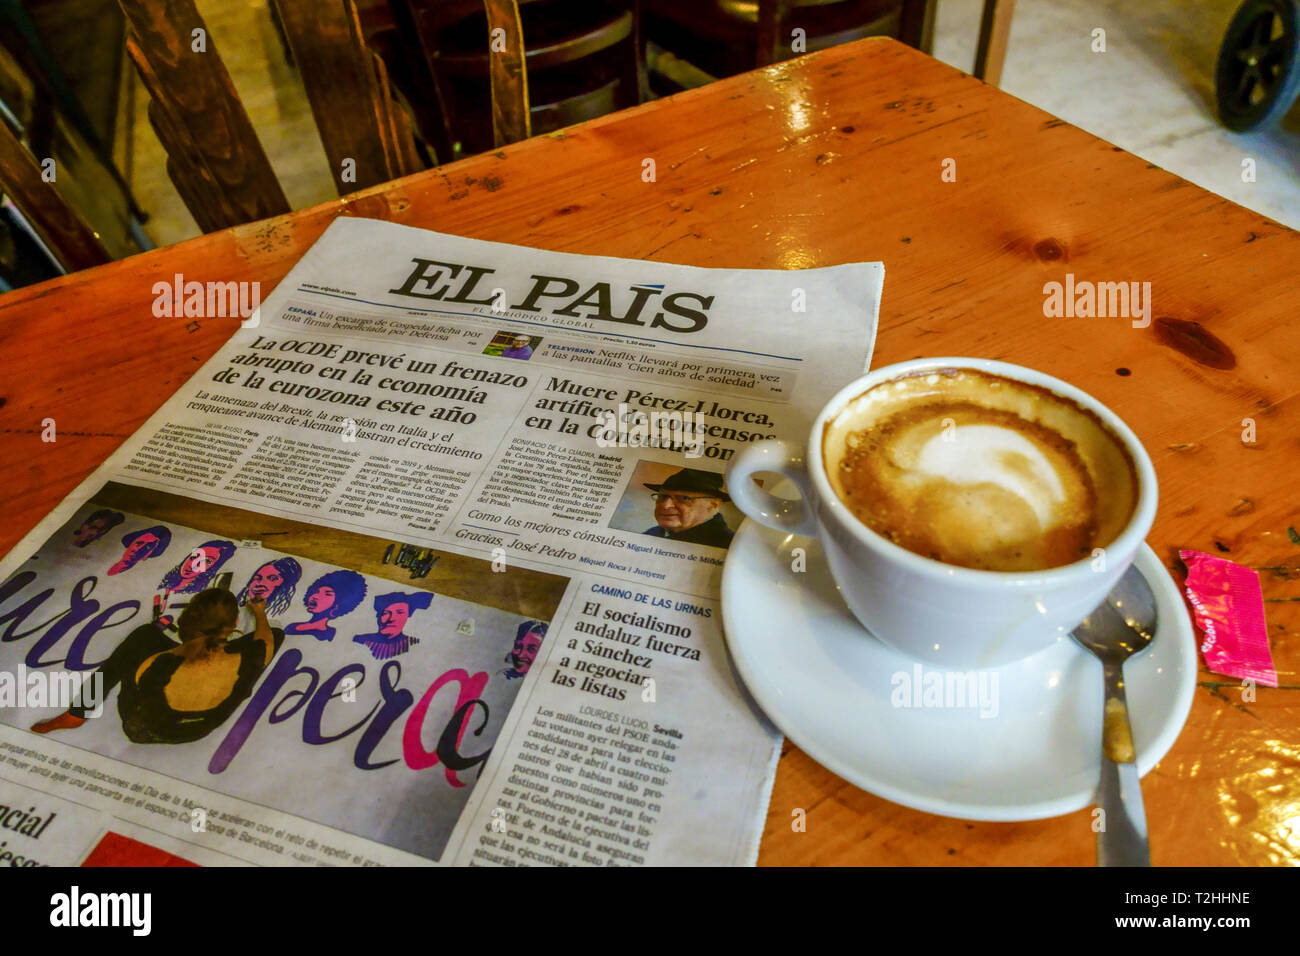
(783, 514)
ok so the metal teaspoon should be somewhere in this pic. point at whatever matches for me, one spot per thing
(1123, 625)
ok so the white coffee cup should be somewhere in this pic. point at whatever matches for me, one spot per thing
(934, 612)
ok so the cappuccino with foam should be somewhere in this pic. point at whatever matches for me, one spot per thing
(980, 471)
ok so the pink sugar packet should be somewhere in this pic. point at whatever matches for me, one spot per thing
(1229, 610)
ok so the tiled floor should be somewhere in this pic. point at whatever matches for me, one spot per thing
(1150, 92)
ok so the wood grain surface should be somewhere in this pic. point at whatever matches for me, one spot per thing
(837, 157)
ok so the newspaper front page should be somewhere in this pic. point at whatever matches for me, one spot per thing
(463, 503)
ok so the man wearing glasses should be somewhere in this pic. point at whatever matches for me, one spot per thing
(686, 508)
(520, 348)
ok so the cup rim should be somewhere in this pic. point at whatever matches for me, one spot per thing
(1126, 542)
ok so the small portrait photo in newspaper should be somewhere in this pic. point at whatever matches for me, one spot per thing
(512, 345)
(677, 502)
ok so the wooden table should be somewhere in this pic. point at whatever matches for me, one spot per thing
(837, 157)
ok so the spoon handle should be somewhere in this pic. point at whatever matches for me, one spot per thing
(1122, 839)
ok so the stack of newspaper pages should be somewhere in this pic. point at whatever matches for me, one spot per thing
(422, 566)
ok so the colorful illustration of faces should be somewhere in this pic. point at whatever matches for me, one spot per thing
(367, 678)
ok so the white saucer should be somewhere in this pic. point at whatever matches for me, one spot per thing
(827, 683)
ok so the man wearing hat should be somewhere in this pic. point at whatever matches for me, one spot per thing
(686, 507)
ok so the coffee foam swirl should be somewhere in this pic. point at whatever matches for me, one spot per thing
(980, 471)
(990, 454)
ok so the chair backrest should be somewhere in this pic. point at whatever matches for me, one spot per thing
(912, 22)
(725, 37)
(350, 94)
(548, 63)
(213, 154)
(59, 225)
(507, 72)
(67, 207)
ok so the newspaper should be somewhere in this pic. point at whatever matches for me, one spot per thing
(463, 504)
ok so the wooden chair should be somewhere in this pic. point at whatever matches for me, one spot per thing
(390, 31)
(61, 228)
(213, 154)
(48, 170)
(995, 32)
(579, 60)
(214, 157)
(724, 37)
(351, 97)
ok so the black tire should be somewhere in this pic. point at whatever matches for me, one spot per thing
(1258, 75)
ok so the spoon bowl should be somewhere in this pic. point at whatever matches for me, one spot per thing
(1133, 603)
